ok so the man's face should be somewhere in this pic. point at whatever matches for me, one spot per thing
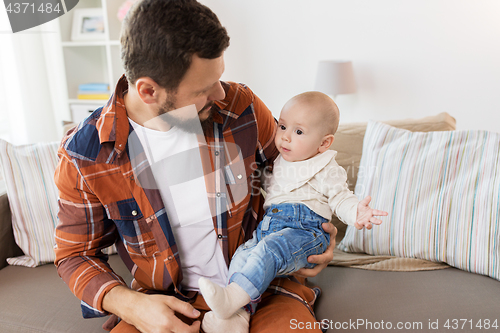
(200, 87)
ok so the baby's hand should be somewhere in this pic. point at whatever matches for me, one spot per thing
(366, 215)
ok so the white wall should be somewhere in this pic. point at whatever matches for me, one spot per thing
(411, 58)
(26, 107)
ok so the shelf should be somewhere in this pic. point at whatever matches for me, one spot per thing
(90, 60)
(81, 111)
(87, 101)
(66, 20)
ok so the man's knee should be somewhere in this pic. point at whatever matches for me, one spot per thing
(278, 313)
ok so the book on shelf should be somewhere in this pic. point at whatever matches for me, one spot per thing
(93, 91)
(93, 87)
(93, 95)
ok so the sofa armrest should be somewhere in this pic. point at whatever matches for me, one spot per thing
(8, 246)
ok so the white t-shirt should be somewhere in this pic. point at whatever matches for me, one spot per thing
(175, 161)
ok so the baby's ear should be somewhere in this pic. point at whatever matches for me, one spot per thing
(326, 143)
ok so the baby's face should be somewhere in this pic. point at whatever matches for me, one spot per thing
(299, 134)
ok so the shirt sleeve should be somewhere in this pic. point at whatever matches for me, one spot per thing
(266, 126)
(341, 200)
(82, 233)
(267, 151)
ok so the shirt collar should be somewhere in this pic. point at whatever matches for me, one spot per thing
(302, 171)
(113, 125)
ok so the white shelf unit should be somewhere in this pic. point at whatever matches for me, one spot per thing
(90, 61)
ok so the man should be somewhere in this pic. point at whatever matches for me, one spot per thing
(130, 174)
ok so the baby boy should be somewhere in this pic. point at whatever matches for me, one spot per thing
(307, 186)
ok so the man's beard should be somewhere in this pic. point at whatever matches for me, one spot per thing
(191, 125)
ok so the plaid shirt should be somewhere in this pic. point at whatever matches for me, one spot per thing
(107, 195)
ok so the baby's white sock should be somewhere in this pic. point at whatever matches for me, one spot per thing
(237, 323)
(224, 302)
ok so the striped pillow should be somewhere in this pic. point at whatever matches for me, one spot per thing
(442, 192)
(29, 176)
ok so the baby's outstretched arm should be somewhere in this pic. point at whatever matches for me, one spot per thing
(366, 215)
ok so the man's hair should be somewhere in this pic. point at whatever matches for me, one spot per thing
(159, 38)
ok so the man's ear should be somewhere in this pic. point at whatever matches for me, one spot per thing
(326, 143)
(148, 90)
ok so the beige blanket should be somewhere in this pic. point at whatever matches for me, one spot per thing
(383, 263)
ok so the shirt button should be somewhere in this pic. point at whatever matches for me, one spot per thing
(134, 213)
(219, 236)
(216, 153)
(275, 210)
(218, 194)
(239, 176)
(170, 258)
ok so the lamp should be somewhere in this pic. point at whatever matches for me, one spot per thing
(335, 78)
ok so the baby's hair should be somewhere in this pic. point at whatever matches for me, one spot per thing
(323, 106)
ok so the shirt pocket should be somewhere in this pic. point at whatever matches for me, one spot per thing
(237, 182)
(133, 228)
(237, 177)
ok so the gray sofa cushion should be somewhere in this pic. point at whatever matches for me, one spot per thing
(350, 294)
(37, 300)
(8, 246)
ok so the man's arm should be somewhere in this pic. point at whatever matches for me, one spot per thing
(266, 126)
(83, 231)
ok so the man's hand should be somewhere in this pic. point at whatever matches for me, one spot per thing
(321, 260)
(366, 215)
(150, 313)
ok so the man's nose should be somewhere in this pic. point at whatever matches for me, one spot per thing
(218, 93)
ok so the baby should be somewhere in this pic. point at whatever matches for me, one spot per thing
(306, 187)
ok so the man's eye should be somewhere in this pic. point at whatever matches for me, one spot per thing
(299, 132)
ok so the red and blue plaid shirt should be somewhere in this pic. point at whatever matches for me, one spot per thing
(107, 195)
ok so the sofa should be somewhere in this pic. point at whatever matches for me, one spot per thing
(36, 299)
(353, 298)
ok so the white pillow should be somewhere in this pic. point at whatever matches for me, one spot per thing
(442, 193)
(29, 176)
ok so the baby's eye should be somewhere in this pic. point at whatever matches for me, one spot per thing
(299, 132)
(282, 127)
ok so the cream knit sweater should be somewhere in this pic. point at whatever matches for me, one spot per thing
(319, 183)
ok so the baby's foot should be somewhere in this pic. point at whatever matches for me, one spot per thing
(224, 302)
(238, 323)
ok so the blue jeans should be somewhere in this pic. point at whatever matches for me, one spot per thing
(285, 237)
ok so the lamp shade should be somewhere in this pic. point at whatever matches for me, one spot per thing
(335, 77)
